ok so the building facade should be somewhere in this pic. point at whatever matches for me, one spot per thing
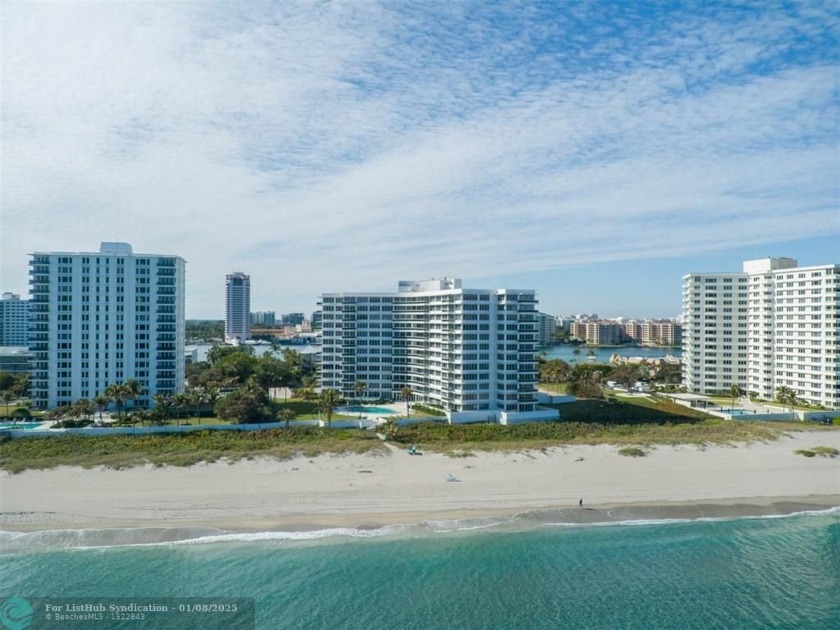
(14, 320)
(237, 307)
(102, 318)
(15, 359)
(470, 352)
(773, 325)
(263, 318)
(547, 329)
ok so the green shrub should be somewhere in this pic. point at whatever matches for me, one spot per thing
(805, 452)
(825, 451)
(631, 451)
(21, 412)
(836, 421)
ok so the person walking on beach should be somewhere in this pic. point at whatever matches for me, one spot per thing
(580, 503)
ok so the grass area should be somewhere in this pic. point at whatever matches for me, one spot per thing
(631, 422)
(628, 410)
(181, 449)
(419, 409)
(554, 388)
(818, 451)
(631, 451)
(460, 440)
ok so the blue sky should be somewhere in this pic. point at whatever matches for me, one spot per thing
(594, 151)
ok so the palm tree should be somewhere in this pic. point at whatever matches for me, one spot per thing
(132, 390)
(306, 393)
(359, 388)
(180, 401)
(786, 396)
(101, 401)
(287, 414)
(406, 392)
(211, 395)
(196, 398)
(576, 354)
(163, 403)
(84, 408)
(8, 396)
(117, 393)
(328, 401)
(736, 392)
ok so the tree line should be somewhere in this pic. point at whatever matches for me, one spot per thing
(586, 380)
(13, 386)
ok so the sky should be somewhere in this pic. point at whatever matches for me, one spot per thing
(593, 151)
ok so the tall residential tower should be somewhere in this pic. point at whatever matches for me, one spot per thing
(773, 325)
(470, 352)
(102, 318)
(14, 320)
(237, 307)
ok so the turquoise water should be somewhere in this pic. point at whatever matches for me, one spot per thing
(20, 425)
(602, 355)
(358, 409)
(781, 572)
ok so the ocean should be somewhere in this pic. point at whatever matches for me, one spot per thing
(602, 355)
(523, 572)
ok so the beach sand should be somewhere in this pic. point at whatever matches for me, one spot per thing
(376, 490)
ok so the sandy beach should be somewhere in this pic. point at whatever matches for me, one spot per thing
(371, 491)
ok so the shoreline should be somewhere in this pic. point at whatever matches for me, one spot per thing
(142, 532)
(374, 491)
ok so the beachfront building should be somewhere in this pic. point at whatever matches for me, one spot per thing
(14, 320)
(237, 307)
(774, 324)
(105, 317)
(714, 332)
(470, 352)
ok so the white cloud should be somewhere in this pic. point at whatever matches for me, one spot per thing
(345, 145)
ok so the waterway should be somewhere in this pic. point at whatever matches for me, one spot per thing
(603, 354)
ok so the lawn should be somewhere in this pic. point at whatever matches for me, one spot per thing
(628, 410)
(554, 388)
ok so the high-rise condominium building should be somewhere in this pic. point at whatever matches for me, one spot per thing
(773, 325)
(14, 320)
(237, 307)
(471, 352)
(547, 329)
(263, 318)
(102, 318)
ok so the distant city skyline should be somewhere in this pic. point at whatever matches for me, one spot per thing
(633, 289)
(593, 152)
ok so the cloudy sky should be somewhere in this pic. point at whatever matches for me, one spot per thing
(594, 151)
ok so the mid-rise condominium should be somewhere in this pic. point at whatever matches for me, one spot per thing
(102, 318)
(773, 325)
(546, 329)
(14, 320)
(237, 307)
(469, 352)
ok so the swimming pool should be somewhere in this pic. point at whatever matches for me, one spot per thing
(738, 412)
(19, 425)
(358, 409)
